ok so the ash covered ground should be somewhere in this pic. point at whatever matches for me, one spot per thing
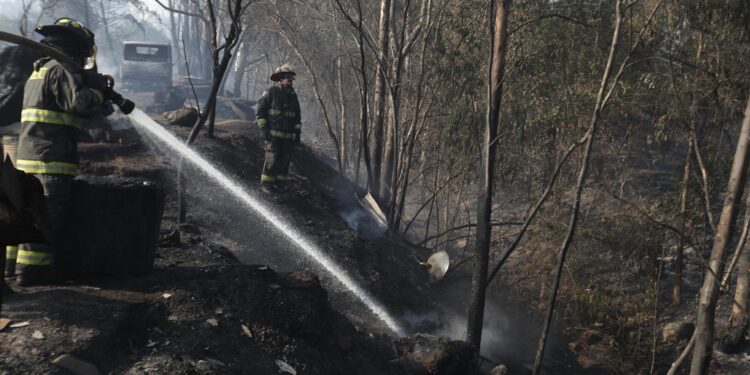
(228, 293)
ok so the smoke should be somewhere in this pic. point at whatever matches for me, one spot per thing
(508, 336)
(119, 121)
(496, 333)
(362, 222)
(109, 64)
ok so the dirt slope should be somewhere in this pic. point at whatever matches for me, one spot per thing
(188, 315)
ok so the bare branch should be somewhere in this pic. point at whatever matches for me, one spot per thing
(703, 180)
(677, 362)
(470, 225)
(534, 210)
(184, 13)
(589, 137)
(547, 16)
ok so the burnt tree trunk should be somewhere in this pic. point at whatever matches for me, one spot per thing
(738, 321)
(379, 105)
(363, 97)
(499, 43)
(342, 119)
(678, 260)
(709, 293)
(220, 64)
(243, 52)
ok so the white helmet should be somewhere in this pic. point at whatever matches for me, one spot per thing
(283, 71)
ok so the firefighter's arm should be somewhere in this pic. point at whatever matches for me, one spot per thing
(73, 96)
(261, 115)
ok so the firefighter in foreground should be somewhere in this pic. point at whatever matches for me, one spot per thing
(55, 101)
(278, 117)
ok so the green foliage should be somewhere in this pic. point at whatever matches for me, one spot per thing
(689, 72)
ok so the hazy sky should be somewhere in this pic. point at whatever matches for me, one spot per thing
(12, 8)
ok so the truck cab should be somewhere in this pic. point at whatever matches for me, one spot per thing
(146, 66)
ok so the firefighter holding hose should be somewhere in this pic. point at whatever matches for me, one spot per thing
(55, 101)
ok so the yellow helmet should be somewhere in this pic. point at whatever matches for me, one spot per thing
(72, 37)
(71, 28)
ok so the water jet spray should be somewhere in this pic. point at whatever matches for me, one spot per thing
(145, 124)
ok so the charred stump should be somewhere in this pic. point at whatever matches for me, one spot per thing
(115, 227)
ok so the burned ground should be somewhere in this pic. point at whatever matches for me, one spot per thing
(204, 308)
(212, 318)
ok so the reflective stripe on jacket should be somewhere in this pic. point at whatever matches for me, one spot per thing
(279, 110)
(53, 104)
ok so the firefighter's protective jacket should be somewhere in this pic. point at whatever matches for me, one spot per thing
(54, 103)
(279, 112)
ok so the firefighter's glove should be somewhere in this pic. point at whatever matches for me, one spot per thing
(106, 109)
(297, 139)
(98, 82)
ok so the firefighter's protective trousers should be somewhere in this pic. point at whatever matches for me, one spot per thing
(278, 156)
(11, 252)
(39, 258)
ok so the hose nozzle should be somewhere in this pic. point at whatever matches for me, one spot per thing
(126, 105)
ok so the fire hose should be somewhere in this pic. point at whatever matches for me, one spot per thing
(125, 105)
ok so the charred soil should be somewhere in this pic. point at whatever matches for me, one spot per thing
(214, 302)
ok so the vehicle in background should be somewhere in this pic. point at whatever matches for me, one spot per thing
(146, 66)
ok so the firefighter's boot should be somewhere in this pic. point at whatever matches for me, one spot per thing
(11, 252)
(32, 276)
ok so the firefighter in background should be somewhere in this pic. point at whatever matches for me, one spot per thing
(54, 103)
(278, 117)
